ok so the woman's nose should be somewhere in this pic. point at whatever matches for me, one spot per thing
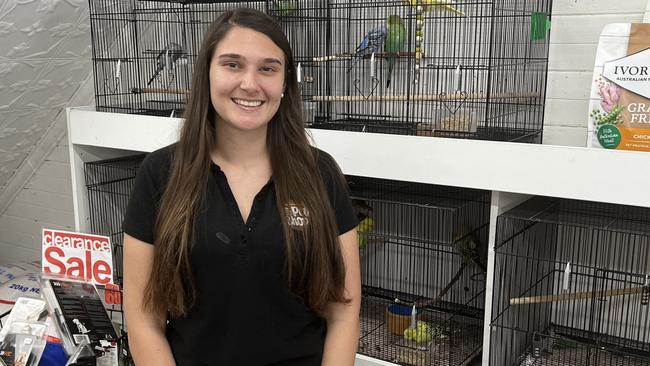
(249, 81)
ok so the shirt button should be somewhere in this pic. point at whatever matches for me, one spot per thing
(250, 229)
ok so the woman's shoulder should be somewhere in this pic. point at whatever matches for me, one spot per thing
(324, 161)
(328, 168)
(161, 158)
(157, 164)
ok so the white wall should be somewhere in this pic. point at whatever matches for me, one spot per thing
(46, 198)
(45, 201)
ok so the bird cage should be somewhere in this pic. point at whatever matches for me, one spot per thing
(465, 69)
(571, 285)
(109, 183)
(144, 51)
(423, 251)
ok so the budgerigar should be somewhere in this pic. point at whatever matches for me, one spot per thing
(395, 42)
(372, 42)
(363, 229)
(285, 7)
(423, 332)
(167, 58)
(430, 5)
(363, 211)
(471, 250)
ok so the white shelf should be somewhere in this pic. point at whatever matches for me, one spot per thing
(512, 171)
(558, 171)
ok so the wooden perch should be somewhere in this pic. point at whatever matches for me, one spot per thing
(420, 98)
(349, 56)
(575, 296)
(159, 90)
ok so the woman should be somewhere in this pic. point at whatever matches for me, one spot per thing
(239, 245)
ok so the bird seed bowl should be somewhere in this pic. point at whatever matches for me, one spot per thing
(398, 318)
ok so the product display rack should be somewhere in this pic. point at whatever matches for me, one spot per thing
(512, 172)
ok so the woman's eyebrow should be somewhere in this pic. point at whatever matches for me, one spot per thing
(234, 56)
(230, 55)
(271, 60)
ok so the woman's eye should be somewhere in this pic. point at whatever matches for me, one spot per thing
(232, 65)
(267, 69)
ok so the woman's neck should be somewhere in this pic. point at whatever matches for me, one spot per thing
(247, 149)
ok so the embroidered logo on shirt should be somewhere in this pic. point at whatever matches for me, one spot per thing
(297, 215)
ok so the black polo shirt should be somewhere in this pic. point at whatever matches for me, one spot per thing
(244, 314)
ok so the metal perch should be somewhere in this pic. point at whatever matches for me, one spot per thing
(159, 90)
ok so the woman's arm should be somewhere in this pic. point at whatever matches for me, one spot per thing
(343, 319)
(147, 341)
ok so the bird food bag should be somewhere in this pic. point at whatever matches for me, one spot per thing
(26, 285)
(11, 271)
(619, 108)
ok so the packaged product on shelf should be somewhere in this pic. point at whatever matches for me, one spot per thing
(23, 335)
(81, 319)
(619, 110)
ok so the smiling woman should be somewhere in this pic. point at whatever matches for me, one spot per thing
(242, 228)
(246, 83)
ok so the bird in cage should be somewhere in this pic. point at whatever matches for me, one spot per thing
(167, 58)
(371, 43)
(472, 249)
(423, 332)
(395, 42)
(366, 223)
(430, 5)
(285, 7)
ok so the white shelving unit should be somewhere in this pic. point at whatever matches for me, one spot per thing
(511, 171)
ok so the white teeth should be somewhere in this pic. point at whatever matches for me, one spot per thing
(248, 103)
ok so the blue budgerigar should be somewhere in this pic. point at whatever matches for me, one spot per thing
(372, 42)
(395, 42)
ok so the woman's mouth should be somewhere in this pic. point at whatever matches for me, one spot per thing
(247, 103)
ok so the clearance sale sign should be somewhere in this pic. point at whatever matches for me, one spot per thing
(76, 255)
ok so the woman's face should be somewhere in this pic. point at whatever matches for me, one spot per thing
(246, 79)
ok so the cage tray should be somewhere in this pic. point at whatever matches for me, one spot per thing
(559, 350)
(460, 343)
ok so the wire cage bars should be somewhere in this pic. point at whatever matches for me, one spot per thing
(571, 285)
(144, 51)
(109, 183)
(473, 69)
(422, 246)
(476, 69)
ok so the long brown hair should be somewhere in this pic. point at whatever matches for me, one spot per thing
(315, 271)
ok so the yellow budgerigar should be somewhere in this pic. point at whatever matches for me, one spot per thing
(430, 5)
(363, 229)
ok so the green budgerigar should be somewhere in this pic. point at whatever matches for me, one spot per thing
(363, 230)
(285, 7)
(471, 249)
(395, 42)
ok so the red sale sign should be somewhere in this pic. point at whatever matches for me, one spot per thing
(83, 256)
